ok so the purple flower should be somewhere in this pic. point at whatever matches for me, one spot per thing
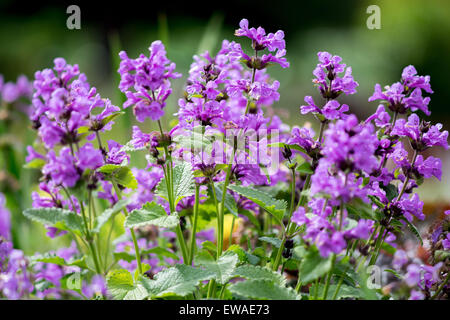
(446, 242)
(5, 219)
(331, 110)
(304, 137)
(413, 274)
(422, 135)
(115, 156)
(89, 157)
(328, 80)
(380, 117)
(407, 94)
(412, 80)
(350, 145)
(273, 42)
(150, 79)
(411, 206)
(140, 140)
(416, 295)
(62, 168)
(430, 167)
(400, 259)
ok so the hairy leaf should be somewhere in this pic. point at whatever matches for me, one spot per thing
(121, 286)
(252, 272)
(109, 214)
(276, 207)
(223, 267)
(313, 266)
(262, 289)
(119, 174)
(151, 214)
(63, 219)
(179, 280)
(183, 183)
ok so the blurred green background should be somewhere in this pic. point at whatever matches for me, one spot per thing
(412, 32)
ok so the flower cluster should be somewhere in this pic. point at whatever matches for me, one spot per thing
(406, 94)
(149, 77)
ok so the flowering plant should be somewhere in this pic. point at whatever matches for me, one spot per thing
(233, 203)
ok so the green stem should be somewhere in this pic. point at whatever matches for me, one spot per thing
(213, 190)
(330, 274)
(133, 235)
(194, 226)
(443, 284)
(222, 202)
(230, 239)
(290, 228)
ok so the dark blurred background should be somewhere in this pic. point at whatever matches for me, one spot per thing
(412, 32)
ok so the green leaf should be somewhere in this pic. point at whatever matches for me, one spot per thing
(230, 202)
(305, 167)
(223, 267)
(262, 289)
(377, 202)
(109, 214)
(195, 139)
(54, 259)
(291, 146)
(36, 163)
(119, 174)
(129, 147)
(242, 255)
(360, 209)
(272, 240)
(395, 273)
(183, 183)
(62, 219)
(313, 266)
(159, 251)
(413, 230)
(252, 272)
(441, 255)
(151, 214)
(121, 286)
(345, 291)
(111, 117)
(391, 191)
(275, 207)
(251, 217)
(179, 280)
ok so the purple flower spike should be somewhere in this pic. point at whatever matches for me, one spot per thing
(149, 77)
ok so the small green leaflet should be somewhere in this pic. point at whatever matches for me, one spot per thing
(111, 117)
(109, 213)
(151, 214)
(275, 207)
(63, 219)
(183, 183)
(121, 286)
(36, 163)
(305, 167)
(262, 289)
(179, 280)
(291, 146)
(120, 174)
